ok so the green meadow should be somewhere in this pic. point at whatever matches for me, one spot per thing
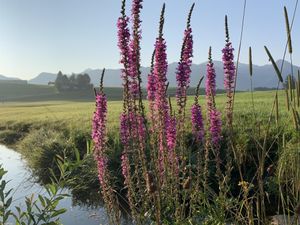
(79, 114)
(46, 132)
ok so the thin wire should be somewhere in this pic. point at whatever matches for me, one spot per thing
(239, 52)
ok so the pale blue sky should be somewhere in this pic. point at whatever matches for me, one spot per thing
(73, 35)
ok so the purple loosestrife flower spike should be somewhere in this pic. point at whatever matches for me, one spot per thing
(184, 66)
(196, 117)
(100, 139)
(99, 123)
(101, 166)
(171, 143)
(197, 122)
(123, 44)
(99, 131)
(214, 117)
(125, 168)
(151, 89)
(161, 103)
(210, 82)
(134, 54)
(151, 85)
(229, 73)
(124, 129)
(215, 127)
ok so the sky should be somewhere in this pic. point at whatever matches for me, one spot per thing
(73, 35)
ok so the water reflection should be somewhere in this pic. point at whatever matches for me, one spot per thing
(21, 181)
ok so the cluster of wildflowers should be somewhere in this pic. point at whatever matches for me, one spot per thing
(150, 159)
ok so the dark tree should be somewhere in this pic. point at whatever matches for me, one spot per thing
(73, 82)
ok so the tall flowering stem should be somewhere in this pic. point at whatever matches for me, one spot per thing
(213, 115)
(151, 89)
(229, 84)
(132, 119)
(134, 59)
(99, 137)
(161, 103)
(171, 132)
(123, 44)
(183, 72)
(229, 74)
(198, 132)
(214, 119)
(196, 117)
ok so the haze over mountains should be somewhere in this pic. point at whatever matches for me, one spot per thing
(263, 76)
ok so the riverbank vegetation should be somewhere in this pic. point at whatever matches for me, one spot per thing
(171, 159)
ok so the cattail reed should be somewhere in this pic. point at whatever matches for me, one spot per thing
(250, 62)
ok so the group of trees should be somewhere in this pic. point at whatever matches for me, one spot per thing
(73, 82)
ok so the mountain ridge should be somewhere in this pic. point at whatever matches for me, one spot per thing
(263, 76)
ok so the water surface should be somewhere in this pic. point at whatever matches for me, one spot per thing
(21, 181)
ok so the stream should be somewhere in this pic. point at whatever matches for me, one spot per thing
(20, 179)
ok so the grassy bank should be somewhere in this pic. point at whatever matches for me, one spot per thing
(49, 132)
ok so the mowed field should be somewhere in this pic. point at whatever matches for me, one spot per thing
(79, 114)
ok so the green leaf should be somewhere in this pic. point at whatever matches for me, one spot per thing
(58, 212)
(7, 193)
(8, 202)
(53, 189)
(77, 154)
(42, 200)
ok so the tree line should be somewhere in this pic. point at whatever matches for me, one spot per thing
(73, 82)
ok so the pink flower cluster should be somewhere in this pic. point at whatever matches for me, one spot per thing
(184, 67)
(99, 136)
(197, 122)
(214, 116)
(215, 126)
(99, 124)
(229, 67)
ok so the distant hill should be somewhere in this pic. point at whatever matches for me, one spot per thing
(13, 91)
(43, 78)
(2, 77)
(264, 76)
(32, 92)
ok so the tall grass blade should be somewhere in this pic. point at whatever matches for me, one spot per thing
(290, 88)
(295, 119)
(298, 89)
(276, 109)
(287, 100)
(250, 62)
(288, 30)
(274, 65)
